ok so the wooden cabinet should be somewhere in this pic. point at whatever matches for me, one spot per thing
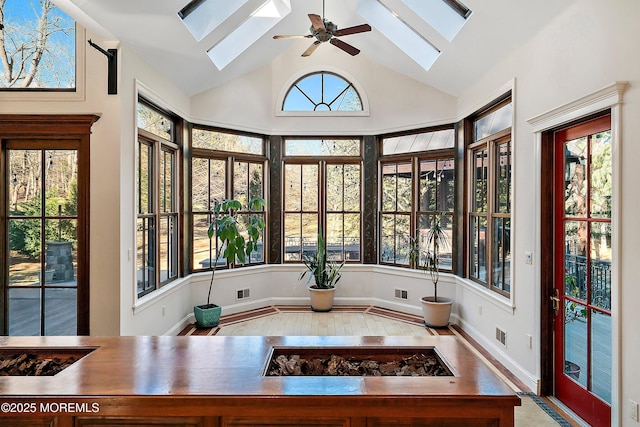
(284, 422)
(220, 382)
(28, 421)
(141, 422)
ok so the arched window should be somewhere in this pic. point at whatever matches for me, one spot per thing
(322, 91)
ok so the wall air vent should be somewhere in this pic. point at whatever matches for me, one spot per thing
(243, 294)
(501, 336)
(401, 294)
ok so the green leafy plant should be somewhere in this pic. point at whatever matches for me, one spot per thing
(574, 311)
(230, 243)
(429, 258)
(325, 273)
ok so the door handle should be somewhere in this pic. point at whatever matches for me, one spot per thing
(555, 300)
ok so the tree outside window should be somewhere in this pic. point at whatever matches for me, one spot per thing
(322, 191)
(224, 165)
(489, 213)
(157, 225)
(37, 46)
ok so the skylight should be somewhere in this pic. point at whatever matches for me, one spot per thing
(445, 16)
(398, 32)
(261, 20)
(203, 16)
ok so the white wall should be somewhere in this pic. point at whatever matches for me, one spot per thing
(104, 175)
(589, 46)
(278, 284)
(163, 308)
(396, 102)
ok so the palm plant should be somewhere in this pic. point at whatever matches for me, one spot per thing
(429, 259)
(325, 273)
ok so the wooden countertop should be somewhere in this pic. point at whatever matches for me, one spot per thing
(233, 367)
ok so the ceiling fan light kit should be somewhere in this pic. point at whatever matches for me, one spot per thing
(324, 30)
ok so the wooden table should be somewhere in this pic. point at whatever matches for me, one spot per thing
(219, 381)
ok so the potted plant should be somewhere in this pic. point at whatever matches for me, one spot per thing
(573, 311)
(436, 310)
(231, 246)
(325, 273)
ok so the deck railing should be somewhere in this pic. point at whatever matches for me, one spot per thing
(600, 273)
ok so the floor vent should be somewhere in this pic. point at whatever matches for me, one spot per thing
(401, 294)
(501, 336)
(243, 294)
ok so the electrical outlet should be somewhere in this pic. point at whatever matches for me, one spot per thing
(529, 341)
(634, 410)
(528, 258)
(242, 294)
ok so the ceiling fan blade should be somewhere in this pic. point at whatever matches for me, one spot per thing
(344, 46)
(352, 30)
(308, 36)
(311, 48)
(316, 22)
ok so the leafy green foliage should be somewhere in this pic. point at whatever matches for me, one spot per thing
(326, 274)
(225, 228)
(25, 236)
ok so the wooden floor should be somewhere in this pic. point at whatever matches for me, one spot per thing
(282, 320)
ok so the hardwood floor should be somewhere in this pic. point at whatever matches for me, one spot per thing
(298, 320)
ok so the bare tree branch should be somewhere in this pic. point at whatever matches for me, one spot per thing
(7, 65)
(41, 41)
(27, 55)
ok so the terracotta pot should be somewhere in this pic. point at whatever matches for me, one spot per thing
(321, 299)
(436, 314)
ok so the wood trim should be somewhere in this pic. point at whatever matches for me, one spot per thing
(464, 128)
(369, 235)
(275, 201)
(546, 263)
(68, 126)
(59, 131)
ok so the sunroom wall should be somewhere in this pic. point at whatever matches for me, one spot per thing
(587, 47)
(395, 102)
(104, 174)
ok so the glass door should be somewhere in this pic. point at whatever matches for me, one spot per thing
(582, 299)
(42, 223)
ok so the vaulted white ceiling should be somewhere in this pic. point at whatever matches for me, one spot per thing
(241, 35)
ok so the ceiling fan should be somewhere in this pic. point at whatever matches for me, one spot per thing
(324, 30)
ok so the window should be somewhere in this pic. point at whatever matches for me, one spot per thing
(322, 91)
(489, 215)
(397, 206)
(416, 190)
(400, 220)
(38, 48)
(437, 192)
(322, 190)
(157, 228)
(224, 165)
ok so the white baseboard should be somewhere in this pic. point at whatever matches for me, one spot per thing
(516, 369)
